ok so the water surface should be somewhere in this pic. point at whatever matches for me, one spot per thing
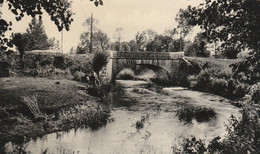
(162, 130)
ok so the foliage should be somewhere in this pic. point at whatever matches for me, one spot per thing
(21, 41)
(125, 46)
(52, 65)
(143, 38)
(201, 114)
(160, 43)
(230, 53)
(100, 42)
(37, 38)
(183, 22)
(59, 12)
(31, 103)
(102, 39)
(248, 71)
(242, 137)
(198, 47)
(218, 81)
(233, 22)
(139, 124)
(126, 74)
(99, 60)
(133, 45)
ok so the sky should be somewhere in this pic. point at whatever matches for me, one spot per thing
(132, 15)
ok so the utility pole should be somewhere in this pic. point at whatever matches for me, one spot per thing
(180, 39)
(91, 33)
(118, 30)
(62, 41)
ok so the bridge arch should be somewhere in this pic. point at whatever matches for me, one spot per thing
(155, 68)
(156, 61)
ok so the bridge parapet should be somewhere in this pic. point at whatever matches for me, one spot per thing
(147, 55)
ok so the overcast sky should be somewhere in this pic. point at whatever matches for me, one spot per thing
(132, 15)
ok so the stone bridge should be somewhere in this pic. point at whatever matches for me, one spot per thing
(152, 60)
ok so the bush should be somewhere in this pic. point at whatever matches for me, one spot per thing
(59, 62)
(200, 114)
(43, 64)
(99, 60)
(218, 80)
(126, 74)
(254, 93)
(79, 76)
(243, 137)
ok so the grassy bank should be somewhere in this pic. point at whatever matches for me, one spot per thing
(210, 75)
(48, 65)
(63, 104)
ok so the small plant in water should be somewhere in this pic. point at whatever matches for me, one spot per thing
(201, 114)
(140, 123)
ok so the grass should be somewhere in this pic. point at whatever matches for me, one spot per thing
(200, 114)
(214, 61)
(51, 97)
(59, 103)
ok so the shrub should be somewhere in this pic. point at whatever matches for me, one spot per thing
(79, 76)
(59, 62)
(243, 136)
(139, 124)
(255, 93)
(99, 60)
(126, 74)
(218, 80)
(201, 114)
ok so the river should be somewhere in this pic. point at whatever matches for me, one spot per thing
(161, 129)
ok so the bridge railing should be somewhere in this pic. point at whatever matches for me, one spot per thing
(147, 55)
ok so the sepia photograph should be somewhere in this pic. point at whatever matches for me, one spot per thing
(129, 76)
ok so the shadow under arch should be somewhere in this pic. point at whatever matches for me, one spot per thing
(132, 65)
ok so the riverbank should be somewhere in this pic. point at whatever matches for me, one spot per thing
(145, 121)
(64, 105)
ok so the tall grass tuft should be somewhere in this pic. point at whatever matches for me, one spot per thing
(32, 104)
(99, 60)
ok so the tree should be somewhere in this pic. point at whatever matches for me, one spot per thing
(101, 38)
(58, 10)
(54, 44)
(171, 32)
(91, 23)
(232, 22)
(100, 41)
(133, 45)
(37, 38)
(125, 46)
(140, 40)
(145, 37)
(183, 25)
(21, 41)
(235, 23)
(198, 47)
(99, 60)
(160, 44)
